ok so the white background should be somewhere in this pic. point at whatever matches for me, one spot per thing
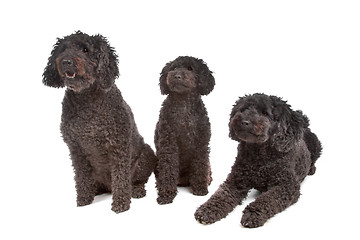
(307, 52)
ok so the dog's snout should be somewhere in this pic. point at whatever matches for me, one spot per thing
(178, 76)
(239, 121)
(67, 62)
(235, 119)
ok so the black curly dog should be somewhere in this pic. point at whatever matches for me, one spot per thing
(276, 152)
(108, 153)
(183, 133)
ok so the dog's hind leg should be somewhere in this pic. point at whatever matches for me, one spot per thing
(145, 165)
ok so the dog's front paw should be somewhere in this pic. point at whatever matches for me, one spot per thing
(252, 219)
(200, 191)
(138, 191)
(205, 215)
(166, 198)
(83, 201)
(118, 208)
(120, 204)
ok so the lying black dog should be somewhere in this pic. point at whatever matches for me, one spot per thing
(107, 151)
(276, 152)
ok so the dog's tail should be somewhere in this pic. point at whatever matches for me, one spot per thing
(314, 146)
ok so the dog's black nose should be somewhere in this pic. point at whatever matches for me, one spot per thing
(67, 62)
(237, 120)
(178, 76)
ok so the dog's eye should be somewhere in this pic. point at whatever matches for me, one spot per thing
(265, 113)
(85, 49)
(190, 68)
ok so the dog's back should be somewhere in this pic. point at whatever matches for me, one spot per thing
(314, 146)
(312, 142)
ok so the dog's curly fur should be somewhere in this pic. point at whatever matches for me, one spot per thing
(108, 153)
(183, 133)
(276, 152)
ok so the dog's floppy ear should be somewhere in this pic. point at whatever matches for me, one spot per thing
(234, 110)
(289, 126)
(164, 88)
(206, 81)
(107, 68)
(51, 75)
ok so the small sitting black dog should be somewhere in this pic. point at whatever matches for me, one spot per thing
(107, 151)
(183, 132)
(276, 152)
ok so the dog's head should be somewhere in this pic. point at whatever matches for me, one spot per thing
(78, 61)
(260, 118)
(185, 75)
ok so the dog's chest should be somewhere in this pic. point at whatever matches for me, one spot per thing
(262, 171)
(186, 117)
(87, 127)
(185, 123)
(92, 133)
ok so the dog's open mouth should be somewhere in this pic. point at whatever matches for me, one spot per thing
(250, 137)
(70, 75)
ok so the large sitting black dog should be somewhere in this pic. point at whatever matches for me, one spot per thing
(276, 152)
(183, 131)
(107, 151)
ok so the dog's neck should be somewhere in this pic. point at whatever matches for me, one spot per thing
(92, 95)
(259, 149)
(185, 99)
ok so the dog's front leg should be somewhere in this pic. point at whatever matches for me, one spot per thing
(167, 177)
(269, 203)
(221, 203)
(121, 183)
(167, 169)
(200, 177)
(84, 182)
